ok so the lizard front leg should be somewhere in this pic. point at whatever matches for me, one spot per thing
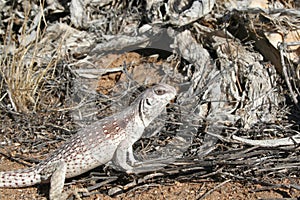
(120, 157)
(120, 160)
(130, 155)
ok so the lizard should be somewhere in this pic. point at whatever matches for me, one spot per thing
(107, 140)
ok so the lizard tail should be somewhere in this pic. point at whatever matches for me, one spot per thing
(19, 178)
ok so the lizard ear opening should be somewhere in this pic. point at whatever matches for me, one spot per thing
(148, 102)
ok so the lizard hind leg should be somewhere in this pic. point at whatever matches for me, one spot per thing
(57, 179)
(57, 173)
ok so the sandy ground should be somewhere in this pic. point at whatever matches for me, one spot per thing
(177, 190)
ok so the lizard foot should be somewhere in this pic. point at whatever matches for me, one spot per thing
(75, 192)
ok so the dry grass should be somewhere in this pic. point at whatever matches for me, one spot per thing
(22, 78)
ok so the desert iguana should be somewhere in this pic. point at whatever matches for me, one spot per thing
(109, 139)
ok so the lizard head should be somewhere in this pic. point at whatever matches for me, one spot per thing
(154, 100)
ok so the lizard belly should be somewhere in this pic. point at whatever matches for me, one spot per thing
(80, 164)
(105, 151)
(89, 155)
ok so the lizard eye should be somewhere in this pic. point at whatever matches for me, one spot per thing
(159, 92)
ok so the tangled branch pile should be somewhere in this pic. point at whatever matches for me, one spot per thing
(234, 63)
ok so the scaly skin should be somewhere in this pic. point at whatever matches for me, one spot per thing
(109, 139)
